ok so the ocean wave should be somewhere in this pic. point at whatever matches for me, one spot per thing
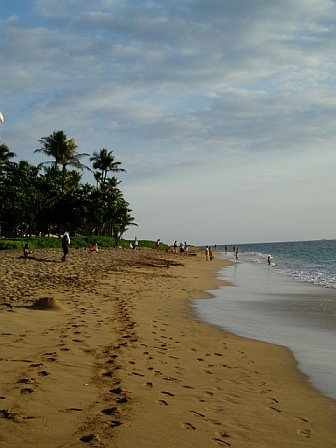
(295, 268)
(325, 279)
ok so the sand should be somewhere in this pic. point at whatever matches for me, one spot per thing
(103, 351)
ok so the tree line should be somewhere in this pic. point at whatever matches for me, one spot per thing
(50, 198)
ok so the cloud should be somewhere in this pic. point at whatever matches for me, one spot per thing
(177, 89)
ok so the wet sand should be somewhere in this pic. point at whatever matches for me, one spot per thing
(118, 360)
(265, 305)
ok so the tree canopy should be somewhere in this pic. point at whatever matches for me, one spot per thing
(50, 198)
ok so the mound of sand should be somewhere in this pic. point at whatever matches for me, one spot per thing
(47, 303)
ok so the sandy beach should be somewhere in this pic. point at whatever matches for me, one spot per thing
(112, 356)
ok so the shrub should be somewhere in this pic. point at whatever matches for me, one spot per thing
(77, 242)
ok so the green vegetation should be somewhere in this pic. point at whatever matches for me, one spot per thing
(77, 242)
(50, 198)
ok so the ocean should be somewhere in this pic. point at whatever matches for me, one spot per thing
(291, 302)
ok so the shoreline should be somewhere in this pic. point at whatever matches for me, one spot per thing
(264, 305)
(127, 362)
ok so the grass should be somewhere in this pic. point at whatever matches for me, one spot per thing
(77, 242)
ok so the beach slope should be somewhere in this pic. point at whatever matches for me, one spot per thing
(103, 350)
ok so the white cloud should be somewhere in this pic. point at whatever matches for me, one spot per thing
(187, 90)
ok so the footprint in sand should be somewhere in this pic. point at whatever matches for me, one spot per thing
(27, 390)
(305, 433)
(188, 426)
(209, 393)
(88, 438)
(26, 381)
(109, 411)
(115, 423)
(116, 391)
(168, 393)
(163, 402)
(221, 442)
(9, 415)
(197, 413)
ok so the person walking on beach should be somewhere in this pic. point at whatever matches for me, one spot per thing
(175, 247)
(158, 241)
(207, 253)
(210, 253)
(269, 261)
(236, 254)
(186, 248)
(135, 243)
(65, 245)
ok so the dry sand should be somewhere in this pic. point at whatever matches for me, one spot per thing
(111, 356)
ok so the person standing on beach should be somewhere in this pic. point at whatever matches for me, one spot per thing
(65, 245)
(175, 246)
(135, 243)
(207, 253)
(186, 248)
(158, 242)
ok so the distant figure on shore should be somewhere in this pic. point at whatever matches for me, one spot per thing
(135, 243)
(158, 242)
(269, 261)
(26, 251)
(236, 254)
(65, 245)
(207, 253)
(186, 248)
(210, 254)
(226, 249)
(181, 248)
(175, 246)
(94, 248)
(117, 240)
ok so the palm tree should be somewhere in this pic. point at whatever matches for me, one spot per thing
(5, 155)
(62, 150)
(104, 162)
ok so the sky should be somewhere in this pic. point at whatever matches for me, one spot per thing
(223, 112)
